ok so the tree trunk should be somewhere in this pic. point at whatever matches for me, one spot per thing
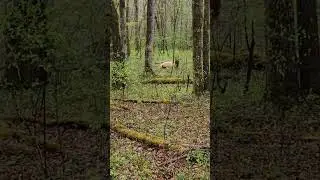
(106, 136)
(197, 21)
(309, 44)
(281, 74)
(108, 32)
(115, 32)
(161, 25)
(127, 28)
(149, 36)
(123, 36)
(164, 27)
(215, 6)
(250, 47)
(137, 26)
(206, 45)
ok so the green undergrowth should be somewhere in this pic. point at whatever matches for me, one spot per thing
(126, 162)
(182, 126)
(136, 89)
(162, 89)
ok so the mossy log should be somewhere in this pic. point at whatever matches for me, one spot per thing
(145, 138)
(169, 80)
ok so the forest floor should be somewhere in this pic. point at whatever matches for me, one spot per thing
(184, 125)
(252, 141)
(22, 159)
(249, 146)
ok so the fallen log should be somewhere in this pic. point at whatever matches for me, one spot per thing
(146, 138)
(171, 80)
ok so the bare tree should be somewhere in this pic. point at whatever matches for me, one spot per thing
(149, 36)
(123, 28)
(197, 21)
(137, 26)
(176, 11)
(115, 32)
(161, 22)
(250, 47)
(206, 44)
(127, 28)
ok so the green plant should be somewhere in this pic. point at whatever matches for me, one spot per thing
(198, 157)
(180, 176)
(119, 75)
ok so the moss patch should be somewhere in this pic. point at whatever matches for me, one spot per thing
(146, 138)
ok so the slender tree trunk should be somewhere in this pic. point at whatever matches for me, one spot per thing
(149, 36)
(123, 29)
(197, 21)
(164, 25)
(176, 12)
(206, 45)
(127, 28)
(176, 9)
(181, 46)
(144, 28)
(250, 47)
(215, 6)
(115, 32)
(137, 26)
(106, 136)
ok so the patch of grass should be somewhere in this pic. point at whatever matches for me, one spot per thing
(126, 163)
(193, 172)
(198, 157)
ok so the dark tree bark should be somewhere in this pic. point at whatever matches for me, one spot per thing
(137, 26)
(118, 42)
(215, 6)
(308, 44)
(106, 136)
(123, 35)
(115, 32)
(197, 21)
(215, 64)
(149, 38)
(250, 48)
(206, 44)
